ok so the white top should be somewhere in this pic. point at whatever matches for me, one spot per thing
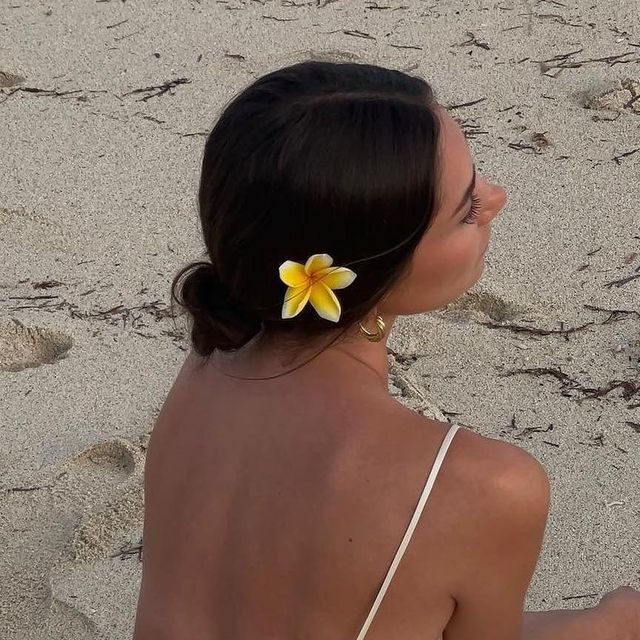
(410, 529)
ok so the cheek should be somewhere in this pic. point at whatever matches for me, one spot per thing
(447, 260)
(440, 271)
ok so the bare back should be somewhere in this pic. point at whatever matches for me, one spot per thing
(274, 508)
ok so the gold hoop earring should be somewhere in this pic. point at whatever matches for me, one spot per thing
(378, 335)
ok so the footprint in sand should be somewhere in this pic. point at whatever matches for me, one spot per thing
(77, 517)
(97, 577)
(625, 96)
(488, 304)
(94, 509)
(10, 79)
(109, 477)
(115, 459)
(63, 621)
(24, 347)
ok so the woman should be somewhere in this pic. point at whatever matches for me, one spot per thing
(284, 484)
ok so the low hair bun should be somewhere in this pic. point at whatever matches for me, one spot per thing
(218, 321)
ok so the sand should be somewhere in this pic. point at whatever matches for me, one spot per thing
(97, 212)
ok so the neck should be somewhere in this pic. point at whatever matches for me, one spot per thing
(349, 357)
(366, 355)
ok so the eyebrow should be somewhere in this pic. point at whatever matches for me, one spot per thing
(467, 193)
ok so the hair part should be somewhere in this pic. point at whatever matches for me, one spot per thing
(317, 157)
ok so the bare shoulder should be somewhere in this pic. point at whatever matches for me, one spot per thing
(503, 489)
(482, 531)
(484, 475)
(487, 461)
(500, 466)
(498, 501)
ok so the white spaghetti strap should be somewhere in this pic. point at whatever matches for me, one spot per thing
(412, 525)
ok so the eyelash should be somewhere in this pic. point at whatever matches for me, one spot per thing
(473, 212)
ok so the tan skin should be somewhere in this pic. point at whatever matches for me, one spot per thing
(274, 507)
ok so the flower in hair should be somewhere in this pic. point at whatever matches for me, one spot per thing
(314, 282)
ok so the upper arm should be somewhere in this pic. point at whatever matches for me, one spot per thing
(500, 551)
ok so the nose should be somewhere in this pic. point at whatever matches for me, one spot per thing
(496, 200)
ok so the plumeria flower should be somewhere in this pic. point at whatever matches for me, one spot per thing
(314, 281)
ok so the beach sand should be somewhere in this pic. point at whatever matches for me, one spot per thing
(98, 211)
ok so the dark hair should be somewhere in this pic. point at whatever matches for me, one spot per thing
(317, 157)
